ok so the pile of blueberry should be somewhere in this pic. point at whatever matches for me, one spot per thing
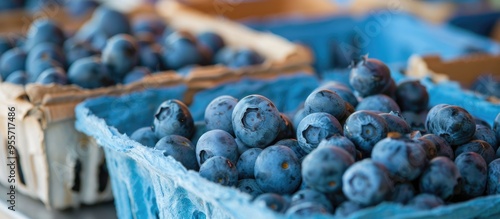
(111, 49)
(342, 152)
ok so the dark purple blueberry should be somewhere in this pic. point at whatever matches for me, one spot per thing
(218, 113)
(173, 118)
(121, 55)
(412, 96)
(453, 123)
(42, 31)
(181, 49)
(150, 56)
(396, 122)
(481, 147)
(403, 193)
(314, 128)
(474, 171)
(378, 103)
(369, 77)
(277, 170)
(429, 147)
(179, 148)
(486, 134)
(286, 128)
(89, 73)
(211, 40)
(220, 170)
(442, 147)
(441, 178)
(342, 90)
(216, 143)
(325, 101)
(493, 185)
(365, 129)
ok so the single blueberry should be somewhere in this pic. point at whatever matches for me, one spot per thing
(211, 40)
(220, 170)
(493, 185)
(181, 49)
(314, 128)
(474, 171)
(44, 30)
(441, 178)
(379, 103)
(481, 147)
(425, 201)
(369, 77)
(342, 90)
(255, 120)
(325, 101)
(367, 183)
(53, 75)
(340, 141)
(285, 129)
(429, 147)
(323, 168)
(110, 22)
(277, 170)
(146, 136)
(273, 201)
(89, 73)
(245, 57)
(218, 113)
(150, 56)
(137, 74)
(179, 148)
(396, 122)
(121, 55)
(365, 129)
(216, 143)
(486, 134)
(18, 77)
(432, 114)
(412, 96)
(442, 147)
(453, 123)
(246, 163)
(403, 158)
(12, 60)
(481, 122)
(173, 118)
(250, 187)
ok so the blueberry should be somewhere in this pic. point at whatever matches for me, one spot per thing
(432, 114)
(442, 147)
(453, 123)
(211, 40)
(474, 172)
(415, 120)
(12, 60)
(323, 168)
(370, 77)
(250, 187)
(403, 158)
(75, 50)
(173, 118)
(425, 201)
(121, 54)
(396, 122)
(254, 120)
(325, 101)
(220, 170)
(146, 136)
(179, 148)
(44, 30)
(390, 89)
(216, 143)
(481, 147)
(273, 201)
(311, 196)
(340, 141)
(46, 50)
(316, 127)
(378, 103)
(429, 148)
(148, 24)
(18, 77)
(342, 90)
(493, 185)
(496, 126)
(403, 193)
(347, 208)
(277, 170)
(36, 68)
(218, 113)
(366, 183)
(181, 49)
(307, 209)
(294, 145)
(5, 44)
(89, 73)
(245, 57)
(285, 129)
(53, 75)
(137, 74)
(150, 56)
(482, 122)
(412, 96)
(486, 134)
(110, 22)
(365, 129)
(441, 178)
(246, 163)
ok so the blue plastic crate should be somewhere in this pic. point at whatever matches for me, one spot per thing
(147, 184)
(391, 36)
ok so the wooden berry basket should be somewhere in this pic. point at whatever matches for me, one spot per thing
(63, 167)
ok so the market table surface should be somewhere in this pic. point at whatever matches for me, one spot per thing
(30, 208)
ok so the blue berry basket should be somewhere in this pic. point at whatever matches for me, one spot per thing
(146, 184)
